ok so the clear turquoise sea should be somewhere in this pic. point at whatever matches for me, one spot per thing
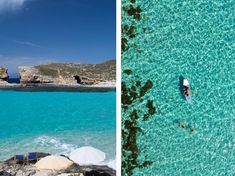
(56, 122)
(196, 40)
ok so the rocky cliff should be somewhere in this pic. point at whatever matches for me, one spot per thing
(85, 74)
(3, 74)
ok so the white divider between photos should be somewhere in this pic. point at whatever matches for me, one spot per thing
(118, 88)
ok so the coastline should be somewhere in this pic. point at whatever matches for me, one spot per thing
(42, 132)
(62, 77)
(11, 167)
(99, 78)
(102, 87)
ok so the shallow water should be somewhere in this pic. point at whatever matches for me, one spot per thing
(56, 122)
(193, 39)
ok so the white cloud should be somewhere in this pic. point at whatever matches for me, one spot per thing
(9, 5)
(26, 43)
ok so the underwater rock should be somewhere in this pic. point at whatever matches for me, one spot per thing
(127, 71)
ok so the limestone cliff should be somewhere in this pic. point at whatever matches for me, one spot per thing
(3, 74)
(86, 74)
(32, 75)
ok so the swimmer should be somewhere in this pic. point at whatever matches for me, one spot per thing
(186, 91)
(192, 131)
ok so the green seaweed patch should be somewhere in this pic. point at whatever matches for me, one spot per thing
(133, 88)
(127, 71)
(126, 98)
(134, 115)
(47, 71)
(138, 83)
(130, 96)
(146, 164)
(151, 110)
(148, 85)
(135, 12)
(124, 44)
(132, 1)
(130, 31)
(130, 148)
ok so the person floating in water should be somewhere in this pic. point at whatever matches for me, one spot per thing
(182, 125)
(191, 131)
(187, 127)
(186, 90)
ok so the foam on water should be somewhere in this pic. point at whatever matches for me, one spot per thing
(57, 144)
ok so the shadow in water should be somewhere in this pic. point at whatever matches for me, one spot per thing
(181, 86)
(14, 80)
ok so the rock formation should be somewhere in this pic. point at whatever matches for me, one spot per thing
(3, 77)
(69, 74)
(10, 168)
(3, 74)
(32, 75)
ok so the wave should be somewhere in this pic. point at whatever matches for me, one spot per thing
(55, 143)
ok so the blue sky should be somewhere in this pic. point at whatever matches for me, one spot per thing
(36, 32)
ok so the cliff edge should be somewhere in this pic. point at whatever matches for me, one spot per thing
(69, 74)
(3, 75)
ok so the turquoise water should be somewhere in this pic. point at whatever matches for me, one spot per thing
(193, 39)
(56, 122)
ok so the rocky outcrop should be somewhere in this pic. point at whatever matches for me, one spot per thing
(3, 74)
(7, 169)
(3, 77)
(32, 75)
(69, 74)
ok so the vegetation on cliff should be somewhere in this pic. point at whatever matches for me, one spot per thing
(105, 71)
(2, 71)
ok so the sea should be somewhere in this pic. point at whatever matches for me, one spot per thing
(184, 39)
(56, 122)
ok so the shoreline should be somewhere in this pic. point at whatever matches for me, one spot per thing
(10, 167)
(107, 87)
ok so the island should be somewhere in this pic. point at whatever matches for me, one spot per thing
(64, 76)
